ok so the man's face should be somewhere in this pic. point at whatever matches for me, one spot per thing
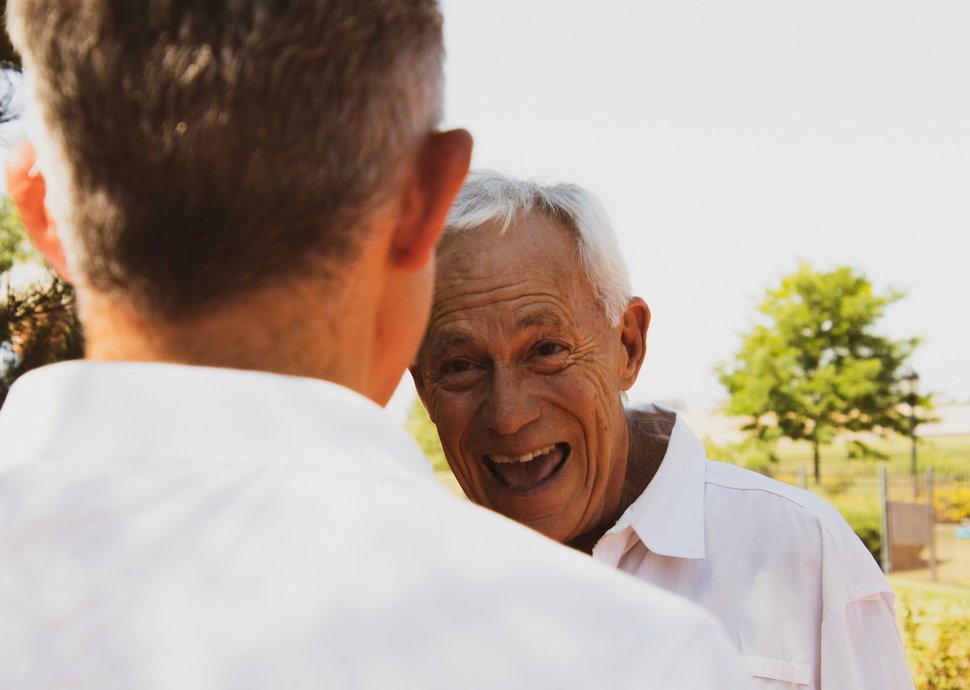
(521, 372)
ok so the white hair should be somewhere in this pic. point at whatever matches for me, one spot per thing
(491, 197)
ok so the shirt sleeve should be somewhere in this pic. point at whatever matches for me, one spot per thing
(862, 648)
(709, 660)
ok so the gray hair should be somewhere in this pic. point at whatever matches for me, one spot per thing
(491, 197)
(196, 150)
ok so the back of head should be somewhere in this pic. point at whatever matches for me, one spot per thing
(490, 197)
(195, 149)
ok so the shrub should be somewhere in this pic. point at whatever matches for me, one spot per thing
(939, 655)
(951, 503)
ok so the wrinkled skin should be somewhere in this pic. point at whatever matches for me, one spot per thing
(519, 359)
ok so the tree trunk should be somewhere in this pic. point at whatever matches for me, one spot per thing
(818, 473)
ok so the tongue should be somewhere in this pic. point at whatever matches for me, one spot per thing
(527, 475)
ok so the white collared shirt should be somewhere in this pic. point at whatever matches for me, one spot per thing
(185, 528)
(796, 589)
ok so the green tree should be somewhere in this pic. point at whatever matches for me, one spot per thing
(815, 366)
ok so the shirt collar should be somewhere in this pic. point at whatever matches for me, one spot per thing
(668, 517)
(131, 410)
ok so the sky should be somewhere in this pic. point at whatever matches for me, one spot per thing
(731, 140)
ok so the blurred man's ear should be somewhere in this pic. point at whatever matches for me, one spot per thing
(28, 190)
(441, 168)
(633, 336)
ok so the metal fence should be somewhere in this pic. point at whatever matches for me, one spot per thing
(923, 536)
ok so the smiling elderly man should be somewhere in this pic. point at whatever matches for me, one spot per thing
(533, 337)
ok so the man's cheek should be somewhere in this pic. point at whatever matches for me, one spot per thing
(451, 430)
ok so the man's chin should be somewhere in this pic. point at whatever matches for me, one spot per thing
(556, 528)
(555, 523)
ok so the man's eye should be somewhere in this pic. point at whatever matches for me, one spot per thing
(548, 349)
(456, 366)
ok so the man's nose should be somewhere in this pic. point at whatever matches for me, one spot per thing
(511, 404)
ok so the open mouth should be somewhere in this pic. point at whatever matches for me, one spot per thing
(527, 471)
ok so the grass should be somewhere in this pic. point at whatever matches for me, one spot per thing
(937, 600)
(947, 455)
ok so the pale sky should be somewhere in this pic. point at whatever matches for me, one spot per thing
(728, 140)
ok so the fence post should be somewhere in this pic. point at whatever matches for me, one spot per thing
(932, 512)
(802, 477)
(887, 564)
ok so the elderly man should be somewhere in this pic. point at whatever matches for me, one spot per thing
(533, 337)
(256, 188)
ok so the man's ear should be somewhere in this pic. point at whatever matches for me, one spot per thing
(441, 168)
(633, 337)
(28, 190)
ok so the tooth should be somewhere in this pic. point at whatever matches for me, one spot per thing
(527, 457)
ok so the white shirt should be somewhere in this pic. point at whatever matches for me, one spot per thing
(181, 528)
(796, 589)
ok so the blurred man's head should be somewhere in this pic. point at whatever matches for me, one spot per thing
(199, 152)
(533, 338)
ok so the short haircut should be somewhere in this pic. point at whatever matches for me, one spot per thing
(196, 149)
(490, 197)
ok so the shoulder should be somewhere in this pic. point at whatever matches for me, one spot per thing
(785, 514)
(771, 491)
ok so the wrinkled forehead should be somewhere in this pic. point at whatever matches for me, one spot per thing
(491, 282)
(535, 241)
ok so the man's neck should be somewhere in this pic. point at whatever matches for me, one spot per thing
(649, 439)
(289, 333)
(645, 454)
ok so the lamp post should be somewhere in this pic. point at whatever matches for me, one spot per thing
(912, 378)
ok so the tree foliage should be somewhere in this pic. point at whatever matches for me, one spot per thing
(38, 322)
(38, 326)
(815, 366)
(15, 248)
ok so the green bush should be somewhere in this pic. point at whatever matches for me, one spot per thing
(939, 654)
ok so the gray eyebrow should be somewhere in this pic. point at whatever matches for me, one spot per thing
(441, 343)
(537, 319)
